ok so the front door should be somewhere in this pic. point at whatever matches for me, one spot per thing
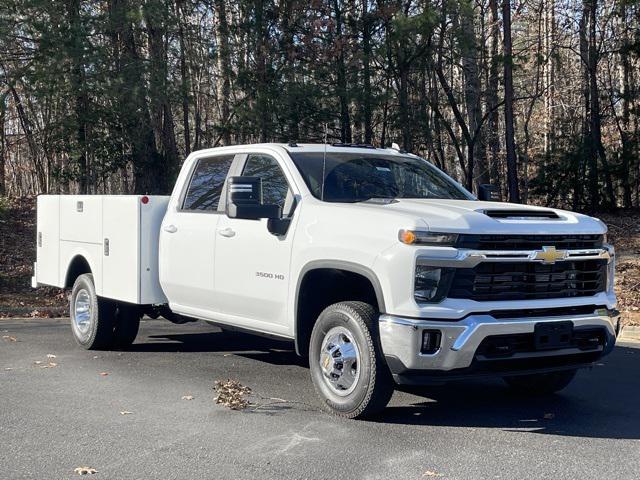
(252, 264)
(188, 238)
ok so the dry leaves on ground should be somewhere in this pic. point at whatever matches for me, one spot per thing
(231, 394)
(9, 338)
(431, 473)
(85, 470)
(126, 412)
(187, 397)
(103, 374)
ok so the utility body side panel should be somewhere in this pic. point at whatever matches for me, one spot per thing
(117, 235)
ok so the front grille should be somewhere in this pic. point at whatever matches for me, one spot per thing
(529, 280)
(529, 242)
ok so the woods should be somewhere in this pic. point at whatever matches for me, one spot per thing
(539, 97)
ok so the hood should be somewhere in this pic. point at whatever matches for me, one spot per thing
(471, 216)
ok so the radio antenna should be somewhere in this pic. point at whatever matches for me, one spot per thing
(324, 162)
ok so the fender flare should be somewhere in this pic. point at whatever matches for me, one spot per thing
(366, 272)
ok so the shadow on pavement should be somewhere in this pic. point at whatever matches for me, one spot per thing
(602, 402)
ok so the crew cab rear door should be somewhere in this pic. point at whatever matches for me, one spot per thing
(252, 264)
(188, 237)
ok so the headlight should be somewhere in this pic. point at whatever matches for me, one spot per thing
(417, 237)
(431, 283)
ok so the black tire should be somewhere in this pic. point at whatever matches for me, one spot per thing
(127, 324)
(540, 383)
(373, 387)
(93, 327)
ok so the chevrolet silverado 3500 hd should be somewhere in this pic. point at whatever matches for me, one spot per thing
(381, 268)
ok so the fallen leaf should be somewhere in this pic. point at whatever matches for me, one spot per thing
(49, 355)
(549, 416)
(187, 397)
(96, 356)
(49, 365)
(38, 362)
(85, 470)
(126, 412)
(231, 394)
(9, 338)
(104, 374)
(431, 473)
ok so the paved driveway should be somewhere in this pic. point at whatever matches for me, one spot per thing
(53, 420)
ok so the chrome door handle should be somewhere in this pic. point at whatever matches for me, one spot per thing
(170, 228)
(227, 232)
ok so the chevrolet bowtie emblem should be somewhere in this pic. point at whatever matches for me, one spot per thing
(550, 255)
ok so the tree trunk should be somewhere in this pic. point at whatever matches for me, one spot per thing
(512, 165)
(224, 70)
(477, 161)
(627, 147)
(184, 79)
(81, 101)
(3, 116)
(261, 71)
(492, 97)
(156, 15)
(594, 119)
(366, 71)
(341, 74)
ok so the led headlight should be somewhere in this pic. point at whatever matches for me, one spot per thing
(417, 237)
(431, 283)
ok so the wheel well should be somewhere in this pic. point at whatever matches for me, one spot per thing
(77, 267)
(322, 287)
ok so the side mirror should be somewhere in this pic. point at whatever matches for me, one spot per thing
(244, 200)
(488, 193)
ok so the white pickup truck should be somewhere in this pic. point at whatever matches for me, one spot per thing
(381, 268)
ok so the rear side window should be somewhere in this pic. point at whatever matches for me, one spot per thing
(274, 183)
(208, 178)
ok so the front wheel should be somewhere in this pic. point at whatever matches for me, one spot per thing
(540, 383)
(346, 362)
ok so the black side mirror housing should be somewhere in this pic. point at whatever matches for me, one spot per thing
(244, 200)
(488, 193)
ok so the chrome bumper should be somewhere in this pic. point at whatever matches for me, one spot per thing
(401, 338)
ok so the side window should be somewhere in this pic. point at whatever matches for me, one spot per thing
(206, 184)
(275, 189)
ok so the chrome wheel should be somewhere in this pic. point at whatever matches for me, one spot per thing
(82, 313)
(340, 361)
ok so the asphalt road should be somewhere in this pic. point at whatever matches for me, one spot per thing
(53, 420)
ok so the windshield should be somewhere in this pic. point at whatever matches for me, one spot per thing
(361, 176)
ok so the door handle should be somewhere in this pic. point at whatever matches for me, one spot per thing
(227, 232)
(170, 228)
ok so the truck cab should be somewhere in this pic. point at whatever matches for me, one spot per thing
(379, 267)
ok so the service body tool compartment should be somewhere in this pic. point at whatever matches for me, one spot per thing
(117, 235)
(130, 230)
(47, 268)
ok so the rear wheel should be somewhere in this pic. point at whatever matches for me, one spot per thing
(127, 324)
(346, 363)
(98, 323)
(540, 383)
(91, 317)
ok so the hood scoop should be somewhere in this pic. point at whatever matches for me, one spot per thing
(521, 214)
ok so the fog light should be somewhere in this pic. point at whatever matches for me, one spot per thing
(431, 341)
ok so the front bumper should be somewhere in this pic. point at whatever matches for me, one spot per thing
(401, 339)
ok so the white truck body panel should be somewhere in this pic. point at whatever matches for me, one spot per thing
(234, 271)
(116, 234)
